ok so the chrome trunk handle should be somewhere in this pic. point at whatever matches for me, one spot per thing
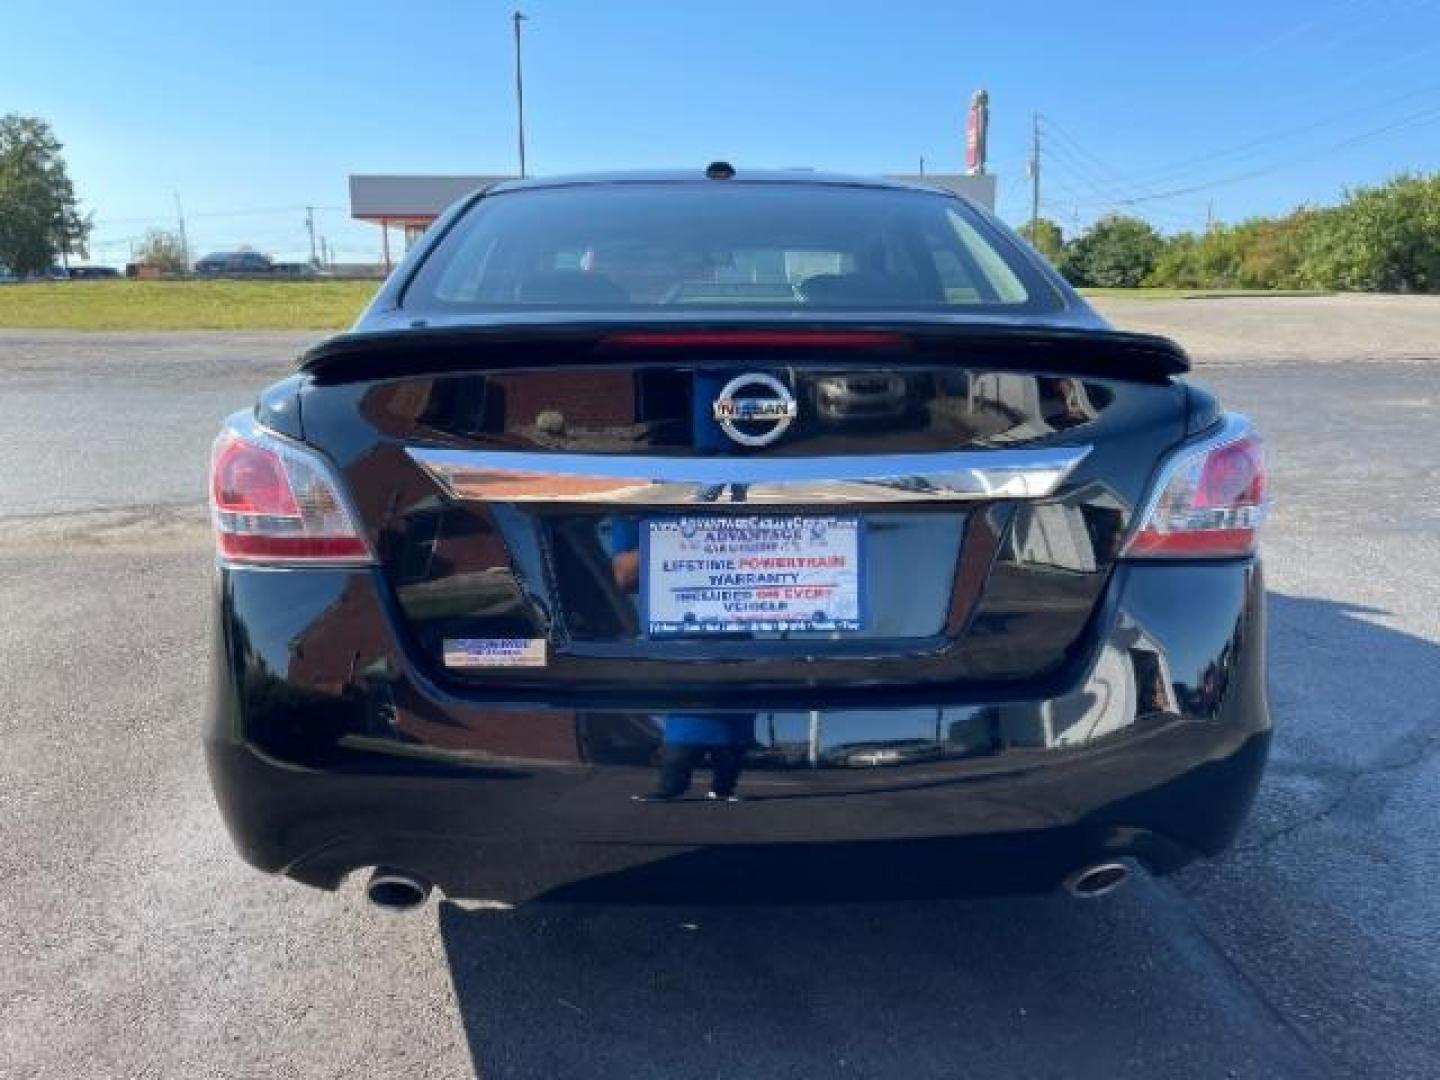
(623, 480)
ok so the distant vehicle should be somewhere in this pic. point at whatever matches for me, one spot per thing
(234, 262)
(609, 482)
(92, 273)
(292, 269)
(54, 273)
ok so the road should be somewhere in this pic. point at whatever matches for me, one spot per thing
(136, 944)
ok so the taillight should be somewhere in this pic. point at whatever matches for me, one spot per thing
(275, 502)
(1209, 500)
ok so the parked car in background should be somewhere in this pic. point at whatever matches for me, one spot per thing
(92, 273)
(293, 270)
(234, 262)
(829, 484)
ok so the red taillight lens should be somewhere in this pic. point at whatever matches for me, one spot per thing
(250, 479)
(1211, 501)
(275, 502)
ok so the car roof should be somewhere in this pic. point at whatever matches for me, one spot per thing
(793, 177)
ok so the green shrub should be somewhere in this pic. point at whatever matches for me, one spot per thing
(1380, 239)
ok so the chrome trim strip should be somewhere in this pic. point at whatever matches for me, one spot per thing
(526, 476)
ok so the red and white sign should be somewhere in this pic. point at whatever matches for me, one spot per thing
(977, 123)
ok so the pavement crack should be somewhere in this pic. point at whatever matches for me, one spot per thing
(1424, 747)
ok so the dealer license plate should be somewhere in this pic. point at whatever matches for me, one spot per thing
(723, 575)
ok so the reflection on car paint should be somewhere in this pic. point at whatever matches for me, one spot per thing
(619, 410)
(332, 699)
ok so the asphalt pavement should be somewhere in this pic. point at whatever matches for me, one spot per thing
(135, 943)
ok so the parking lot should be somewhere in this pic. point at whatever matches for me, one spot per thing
(136, 943)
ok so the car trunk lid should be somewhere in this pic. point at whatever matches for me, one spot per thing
(570, 512)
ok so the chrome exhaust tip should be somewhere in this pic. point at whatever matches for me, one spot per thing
(1097, 880)
(395, 890)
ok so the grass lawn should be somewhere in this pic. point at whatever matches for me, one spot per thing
(264, 305)
(183, 305)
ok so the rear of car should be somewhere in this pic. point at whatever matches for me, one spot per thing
(830, 493)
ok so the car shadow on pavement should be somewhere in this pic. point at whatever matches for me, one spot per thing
(924, 986)
(1026, 986)
(1339, 852)
(1351, 698)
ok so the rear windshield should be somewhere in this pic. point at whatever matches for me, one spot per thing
(717, 245)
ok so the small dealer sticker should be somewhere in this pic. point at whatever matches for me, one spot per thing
(494, 652)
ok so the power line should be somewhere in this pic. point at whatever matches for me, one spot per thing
(1104, 196)
(1299, 30)
(1082, 172)
(1055, 129)
(257, 211)
(1228, 60)
(1099, 206)
(1423, 116)
(1138, 181)
(1130, 193)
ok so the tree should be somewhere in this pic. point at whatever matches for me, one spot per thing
(1272, 251)
(163, 250)
(1047, 239)
(1380, 239)
(1115, 252)
(1210, 260)
(40, 217)
(1179, 265)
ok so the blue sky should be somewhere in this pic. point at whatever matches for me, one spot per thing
(251, 110)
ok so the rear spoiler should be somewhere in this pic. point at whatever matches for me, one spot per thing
(1101, 352)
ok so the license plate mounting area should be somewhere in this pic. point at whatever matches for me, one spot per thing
(733, 574)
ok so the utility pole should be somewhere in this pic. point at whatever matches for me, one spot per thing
(517, 18)
(184, 237)
(1034, 176)
(310, 228)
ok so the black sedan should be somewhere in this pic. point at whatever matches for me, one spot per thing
(234, 262)
(723, 536)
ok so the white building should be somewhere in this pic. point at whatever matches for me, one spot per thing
(411, 203)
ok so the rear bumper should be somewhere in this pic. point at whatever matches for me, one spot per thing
(329, 751)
